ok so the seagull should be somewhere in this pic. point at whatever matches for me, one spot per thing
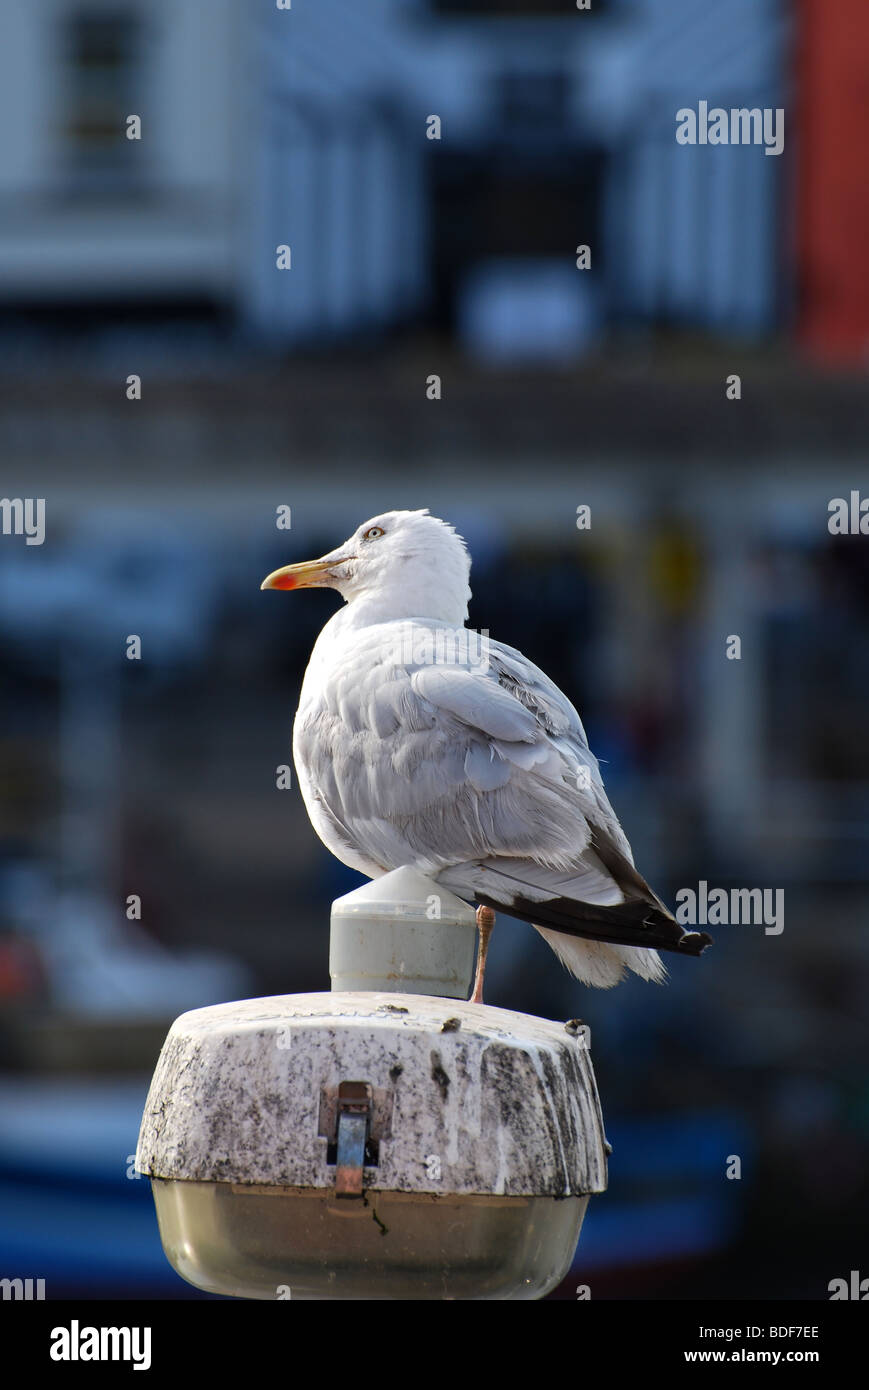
(421, 742)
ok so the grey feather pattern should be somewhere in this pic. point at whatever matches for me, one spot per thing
(480, 775)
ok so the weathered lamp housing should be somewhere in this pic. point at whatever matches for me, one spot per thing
(373, 1144)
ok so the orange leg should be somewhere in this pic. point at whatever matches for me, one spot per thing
(485, 923)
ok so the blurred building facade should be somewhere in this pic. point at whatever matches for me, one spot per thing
(307, 126)
(311, 127)
(89, 214)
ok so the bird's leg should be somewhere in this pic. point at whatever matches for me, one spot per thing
(485, 923)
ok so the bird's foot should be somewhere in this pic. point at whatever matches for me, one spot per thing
(485, 923)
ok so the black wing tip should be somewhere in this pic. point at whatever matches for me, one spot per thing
(694, 943)
(634, 923)
(688, 943)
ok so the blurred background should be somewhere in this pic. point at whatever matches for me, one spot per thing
(148, 861)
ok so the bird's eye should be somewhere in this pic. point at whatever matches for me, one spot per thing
(373, 532)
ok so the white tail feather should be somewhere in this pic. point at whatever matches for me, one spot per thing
(601, 964)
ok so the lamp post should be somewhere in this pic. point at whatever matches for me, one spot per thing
(392, 1142)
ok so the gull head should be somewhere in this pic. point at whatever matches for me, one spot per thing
(398, 565)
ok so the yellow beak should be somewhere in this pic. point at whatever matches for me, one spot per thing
(307, 575)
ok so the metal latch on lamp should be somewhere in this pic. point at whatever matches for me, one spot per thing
(354, 1118)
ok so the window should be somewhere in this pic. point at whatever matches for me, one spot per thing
(101, 53)
(533, 103)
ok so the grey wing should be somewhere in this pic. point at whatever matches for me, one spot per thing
(589, 886)
(481, 777)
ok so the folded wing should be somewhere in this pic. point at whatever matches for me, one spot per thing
(480, 774)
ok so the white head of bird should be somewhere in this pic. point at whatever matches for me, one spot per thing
(396, 565)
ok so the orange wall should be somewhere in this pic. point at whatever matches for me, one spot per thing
(833, 178)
